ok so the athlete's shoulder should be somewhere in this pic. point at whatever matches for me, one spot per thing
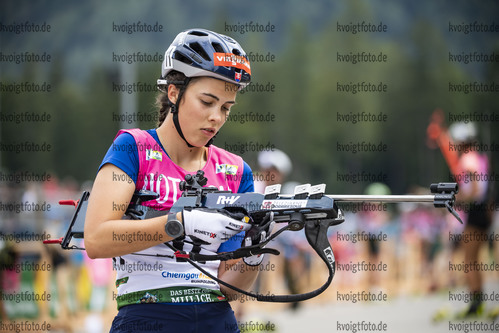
(223, 157)
(223, 152)
(137, 133)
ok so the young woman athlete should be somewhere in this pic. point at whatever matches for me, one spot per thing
(200, 76)
(468, 166)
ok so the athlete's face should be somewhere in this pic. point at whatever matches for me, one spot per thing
(204, 109)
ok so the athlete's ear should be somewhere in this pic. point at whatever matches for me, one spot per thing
(173, 93)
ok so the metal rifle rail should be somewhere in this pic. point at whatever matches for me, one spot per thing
(375, 198)
(438, 199)
(382, 198)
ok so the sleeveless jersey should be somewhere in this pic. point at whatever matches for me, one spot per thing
(148, 279)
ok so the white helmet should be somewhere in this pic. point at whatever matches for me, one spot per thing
(463, 132)
(200, 52)
(277, 159)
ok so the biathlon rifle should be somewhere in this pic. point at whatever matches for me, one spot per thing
(309, 208)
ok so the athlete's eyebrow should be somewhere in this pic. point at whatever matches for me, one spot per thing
(218, 99)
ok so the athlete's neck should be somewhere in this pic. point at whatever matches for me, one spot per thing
(189, 158)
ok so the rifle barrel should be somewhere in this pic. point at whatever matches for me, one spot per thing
(382, 198)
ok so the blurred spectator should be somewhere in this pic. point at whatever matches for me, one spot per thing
(374, 221)
(470, 167)
(274, 167)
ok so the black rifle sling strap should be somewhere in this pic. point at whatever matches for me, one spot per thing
(316, 233)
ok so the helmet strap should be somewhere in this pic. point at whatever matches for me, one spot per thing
(174, 111)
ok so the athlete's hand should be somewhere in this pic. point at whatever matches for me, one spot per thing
(213, 226)
(257, 235)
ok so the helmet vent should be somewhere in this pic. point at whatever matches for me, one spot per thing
(198, 33)
(200, 51)
(236, 52)
(217, 47)
(180, 57)
(227, 38)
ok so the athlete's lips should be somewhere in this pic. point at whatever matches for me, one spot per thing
(209, 131)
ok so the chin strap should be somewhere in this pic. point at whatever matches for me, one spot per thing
(174, 107)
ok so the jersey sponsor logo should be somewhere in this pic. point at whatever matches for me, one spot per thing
(149, 298)
(231, 60)
(227, 169)
(121, 281)
(153, 155)
(220, 168)
(205, 298)
(191, 277)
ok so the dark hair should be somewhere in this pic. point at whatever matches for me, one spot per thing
(162, 101)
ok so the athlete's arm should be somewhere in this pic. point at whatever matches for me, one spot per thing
(106, 234)
(438, 133)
